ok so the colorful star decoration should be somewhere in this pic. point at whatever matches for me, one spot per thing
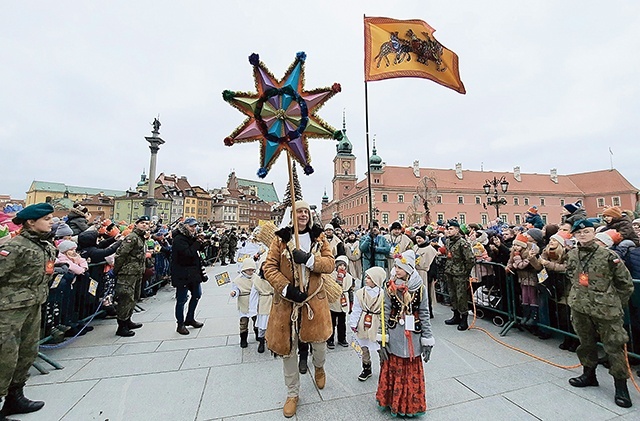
(281, 115)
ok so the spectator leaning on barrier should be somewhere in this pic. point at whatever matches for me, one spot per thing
(600, 288)
(186, 273)
(129, 268)
(26, 266)
(78, 219)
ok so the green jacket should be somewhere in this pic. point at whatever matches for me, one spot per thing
(610, 285)
(24, 263)
(130, 256)
(460, 258)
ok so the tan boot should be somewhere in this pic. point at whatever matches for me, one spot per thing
(290, 407)
(321, 377)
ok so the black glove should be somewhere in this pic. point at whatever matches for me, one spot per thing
(294, 294)
(300, 256)
(383, 353)
(426, 353)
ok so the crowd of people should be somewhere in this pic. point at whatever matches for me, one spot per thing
(311, 288)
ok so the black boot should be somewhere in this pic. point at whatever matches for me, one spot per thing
(454, 320)
(588, 378)
(260, 345)
(133, 325)
(243, 339)
(123, 329)
(622, 397)
(302, 366)
(463, 325)
(366, 372)
(17, 403)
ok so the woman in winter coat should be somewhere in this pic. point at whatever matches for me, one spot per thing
(617, 221)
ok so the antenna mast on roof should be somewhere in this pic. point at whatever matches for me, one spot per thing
(611, 157)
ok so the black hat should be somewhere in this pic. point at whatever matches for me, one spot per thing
(580, 224)
(143, 218)
(35, 211)
(421, 234)
(395, 226)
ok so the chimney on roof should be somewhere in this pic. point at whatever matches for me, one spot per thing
(516, 173)
(554, 175)
(416, 168)
(459, 170)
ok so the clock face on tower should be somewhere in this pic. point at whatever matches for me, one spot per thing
(346, 165)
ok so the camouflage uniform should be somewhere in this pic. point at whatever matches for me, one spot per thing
(224, 247)
(26, 266)
(129, 266)
(233, 246)
(457, 268)
(597, 309)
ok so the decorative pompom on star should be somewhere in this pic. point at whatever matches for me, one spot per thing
(281, 115)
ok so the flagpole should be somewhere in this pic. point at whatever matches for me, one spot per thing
(366, 128)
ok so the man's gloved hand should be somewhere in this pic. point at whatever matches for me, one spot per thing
(294, 294)
(383, 353)
(300, 256)
(426, 353)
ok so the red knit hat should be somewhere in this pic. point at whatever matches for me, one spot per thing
(615, 236)
(533, 210)
(521, 240)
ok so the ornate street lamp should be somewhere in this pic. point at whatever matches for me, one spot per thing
(490, 185)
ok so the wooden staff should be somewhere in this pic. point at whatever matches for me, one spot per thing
(294, 218)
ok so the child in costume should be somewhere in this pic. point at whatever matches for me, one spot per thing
(265, 299)
(248, 298)
(520, 263)
(365, 316)
(405, 336)
(340, 307)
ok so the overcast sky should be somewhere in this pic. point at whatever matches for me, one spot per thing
(550, 84)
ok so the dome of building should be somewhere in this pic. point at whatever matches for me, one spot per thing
(375, 162)
(344, 146)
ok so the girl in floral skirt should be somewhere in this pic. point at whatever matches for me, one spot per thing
(407, 337)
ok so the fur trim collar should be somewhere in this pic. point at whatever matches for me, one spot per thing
(286, 233)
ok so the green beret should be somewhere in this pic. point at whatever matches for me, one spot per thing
(143, 218)
(35, 211)
(453, 223)
(580, 224)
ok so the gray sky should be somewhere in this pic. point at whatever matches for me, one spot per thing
(550, 84)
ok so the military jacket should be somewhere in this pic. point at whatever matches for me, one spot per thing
(26, 266)
(460, 259)
(130, 256)
(607, 287)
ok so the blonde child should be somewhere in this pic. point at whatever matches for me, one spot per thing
(340, 307)
(265, 299)
(406, 330)
(365, 316)
(248, 297)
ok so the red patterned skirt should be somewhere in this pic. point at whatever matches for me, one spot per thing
(401, 386)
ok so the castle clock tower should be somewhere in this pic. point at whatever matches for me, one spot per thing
(344, 167)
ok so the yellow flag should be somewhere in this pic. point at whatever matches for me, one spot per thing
(407, 48)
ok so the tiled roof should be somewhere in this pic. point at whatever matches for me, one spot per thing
(61, 187)
(602, 181)
(265, 191)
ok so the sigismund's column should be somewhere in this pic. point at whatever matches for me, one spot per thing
(154, 144)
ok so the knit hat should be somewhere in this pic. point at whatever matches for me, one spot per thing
(421, 234)
(533, 210)
(616, 237)
(328, 227)
(605, 239)
(521, 240)
(536, 234)
(248, 264)
(377, 275)
(34, 212)
(342, 259)
(580, 224)
(561, 237)
(636, 221)
(63, 230)
(572, 207)
(614, 212)
(395, 225)
(406, 261)
(67, 245)
(301, 204)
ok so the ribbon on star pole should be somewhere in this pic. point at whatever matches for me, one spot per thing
(281, 115)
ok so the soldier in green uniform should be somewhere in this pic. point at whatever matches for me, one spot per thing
(601, 286)
(233, 245)
(26, 266)
(457, 269)
(129, 267)
(224, 247)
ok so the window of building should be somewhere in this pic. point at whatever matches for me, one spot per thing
(601, 202)
(385, 218)
(544, 219)
(542, 201)
(401, 217)
(526, 201)
(478, 200)
(48, 199)
(385, 198)
(615, 201)
(462, 218)
(439, 199)
(401, 198)
(518, 220)
(516, 201)
(440, 217)
(485, 219)
(375, 180)
(561, 202)
(504, 218)
(461, 200)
